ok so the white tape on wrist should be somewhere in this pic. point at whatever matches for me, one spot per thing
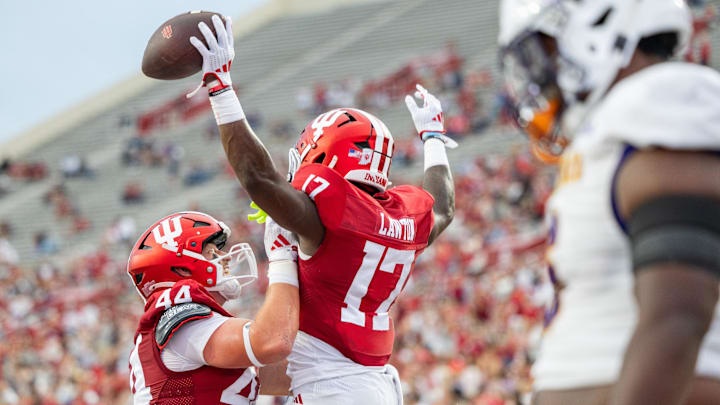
(248, 347)
(227, 108)
(435, 154)
(283, 271)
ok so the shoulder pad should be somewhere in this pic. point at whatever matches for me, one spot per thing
(176, 316)
(327, 188)
(416, 203)
(671, 105)
(415, 199)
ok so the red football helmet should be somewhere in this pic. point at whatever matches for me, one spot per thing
(177, 242)
(353, 142)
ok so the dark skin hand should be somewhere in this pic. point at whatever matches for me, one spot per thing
(294, 210)
(676, 301)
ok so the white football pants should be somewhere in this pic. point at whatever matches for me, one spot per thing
(381, 388)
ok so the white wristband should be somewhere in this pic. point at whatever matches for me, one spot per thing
(248, 347)
(227, 108)
(435, 154)
(283, 271)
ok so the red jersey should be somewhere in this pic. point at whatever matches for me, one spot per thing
(153, 383)
(370, 245)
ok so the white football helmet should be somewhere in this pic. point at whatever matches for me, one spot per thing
(560, 57)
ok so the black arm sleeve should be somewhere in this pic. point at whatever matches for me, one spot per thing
(678, 228)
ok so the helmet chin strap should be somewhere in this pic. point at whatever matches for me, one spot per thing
(229, 289)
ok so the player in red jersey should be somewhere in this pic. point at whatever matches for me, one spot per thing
(188, 349)
(358, 239)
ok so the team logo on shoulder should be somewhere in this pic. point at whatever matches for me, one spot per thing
(364, 156)
(169, 232)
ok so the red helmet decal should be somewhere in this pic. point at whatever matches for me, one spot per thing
(353, 142)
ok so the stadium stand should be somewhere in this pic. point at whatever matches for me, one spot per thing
(468, 317)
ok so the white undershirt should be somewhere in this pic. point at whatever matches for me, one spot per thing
(184, 351)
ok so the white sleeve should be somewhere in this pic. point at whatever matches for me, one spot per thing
(185, 349)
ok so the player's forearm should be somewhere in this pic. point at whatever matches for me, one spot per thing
(430, 125)
(438, 182)
(273, 332)
(258, 175)
(647, 377)
(248, 157)
(274, 379)
(676, 306)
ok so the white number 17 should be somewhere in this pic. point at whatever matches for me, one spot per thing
(317, 179)
(359, 287)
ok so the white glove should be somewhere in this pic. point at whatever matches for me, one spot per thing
(428, 119)
(281, 247)
(218, 59)
(280, 244)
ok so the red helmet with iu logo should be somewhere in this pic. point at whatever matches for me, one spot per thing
(173, 247)
(353, 142)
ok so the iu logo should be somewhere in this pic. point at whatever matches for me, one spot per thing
(324, 121)
(168, 235)
(167, 31)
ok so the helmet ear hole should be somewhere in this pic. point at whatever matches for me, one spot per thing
(320, 158)
(181, 271)
(138, 278)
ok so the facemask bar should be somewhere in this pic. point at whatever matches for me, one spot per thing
(529, 69)
(293, 163)
(237, 264)
(529, 66)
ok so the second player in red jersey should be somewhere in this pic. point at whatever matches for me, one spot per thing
(153, 382)
(358, 240)
(190, 350)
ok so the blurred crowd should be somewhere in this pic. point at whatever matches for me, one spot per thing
(705, 16)
(474, 306)
(14, 173)
(464, 323)
(463, 91)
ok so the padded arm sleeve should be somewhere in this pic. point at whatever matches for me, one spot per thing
(681, 229)
(176, 316)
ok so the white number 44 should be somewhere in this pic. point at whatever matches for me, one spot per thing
(182, 296)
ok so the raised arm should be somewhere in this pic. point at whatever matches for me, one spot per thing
(251, 162)
(437, 180)
(239, 343)
(247, 155)
(671, 201)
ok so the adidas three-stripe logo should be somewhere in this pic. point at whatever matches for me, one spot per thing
(280, 242)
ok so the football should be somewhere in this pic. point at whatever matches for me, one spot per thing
(169, 54)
